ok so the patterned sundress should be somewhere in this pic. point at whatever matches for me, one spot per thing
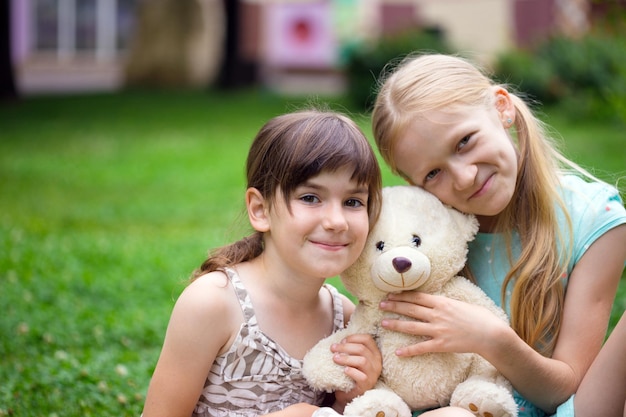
(256, 376)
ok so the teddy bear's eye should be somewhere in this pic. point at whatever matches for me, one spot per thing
(416, 241)
(380, 245)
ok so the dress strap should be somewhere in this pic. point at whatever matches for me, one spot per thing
(338, 322)
(243, 297)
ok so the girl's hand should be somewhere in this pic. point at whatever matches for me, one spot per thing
(362, 360)
(448, 325)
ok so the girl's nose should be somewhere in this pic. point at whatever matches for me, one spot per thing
(463, 175)
(334, 217)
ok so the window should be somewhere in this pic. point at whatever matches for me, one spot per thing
(98, 28)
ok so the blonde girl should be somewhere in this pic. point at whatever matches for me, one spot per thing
(552, 240)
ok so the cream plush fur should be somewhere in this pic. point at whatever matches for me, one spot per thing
(418, 243)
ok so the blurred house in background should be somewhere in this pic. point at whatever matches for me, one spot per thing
(289, 45)
(69, 45)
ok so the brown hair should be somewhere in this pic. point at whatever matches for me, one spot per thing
(429, 82)
(290, 149)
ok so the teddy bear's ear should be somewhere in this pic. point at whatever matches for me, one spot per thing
(467, 224)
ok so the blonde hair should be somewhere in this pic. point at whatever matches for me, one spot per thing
(430, 82)
(290, 149)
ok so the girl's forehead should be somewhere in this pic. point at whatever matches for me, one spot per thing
(447, 115)
(329, 174)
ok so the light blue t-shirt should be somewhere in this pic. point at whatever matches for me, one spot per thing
(594, 208)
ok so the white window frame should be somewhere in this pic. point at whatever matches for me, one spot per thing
(106, 30)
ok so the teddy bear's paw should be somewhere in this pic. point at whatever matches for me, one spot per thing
(378, 403)
(484, 399)
(329, 379)
(325, 412)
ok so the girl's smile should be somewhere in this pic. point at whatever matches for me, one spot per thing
(330, 246)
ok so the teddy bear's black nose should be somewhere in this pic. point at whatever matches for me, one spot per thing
(401, 264)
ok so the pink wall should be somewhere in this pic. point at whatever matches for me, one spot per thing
(20, 34)
(534, 19)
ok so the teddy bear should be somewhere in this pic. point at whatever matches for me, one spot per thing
(419, 244)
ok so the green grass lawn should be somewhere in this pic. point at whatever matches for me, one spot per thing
(107, 203)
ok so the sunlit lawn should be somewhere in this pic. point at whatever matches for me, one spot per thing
(107, 203)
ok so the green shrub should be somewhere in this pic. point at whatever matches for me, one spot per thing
(366, 64)
(527, 74)
(584, 75)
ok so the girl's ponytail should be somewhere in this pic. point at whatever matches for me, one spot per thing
(242, 250)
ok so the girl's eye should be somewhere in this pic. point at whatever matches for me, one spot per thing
(432, 174)
(354, 202)
(310, 198)
(380, 245)
(463, 142)
(417, 241)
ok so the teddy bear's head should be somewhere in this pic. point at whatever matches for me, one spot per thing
(417, 243)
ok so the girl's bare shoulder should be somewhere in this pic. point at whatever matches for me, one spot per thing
(208, 297)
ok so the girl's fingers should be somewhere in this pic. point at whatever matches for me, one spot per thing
(357, 345)
(415, 297)
(416, 328)
(356, 374)
(352, 361)
(413, 311)
(361, 359)
(427, 346)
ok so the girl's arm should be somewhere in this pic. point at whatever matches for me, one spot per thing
(602, 391)
(201, 324)
(588, 301)
(453, 326)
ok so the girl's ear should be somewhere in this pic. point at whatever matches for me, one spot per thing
(257, 210)
(504, 106)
